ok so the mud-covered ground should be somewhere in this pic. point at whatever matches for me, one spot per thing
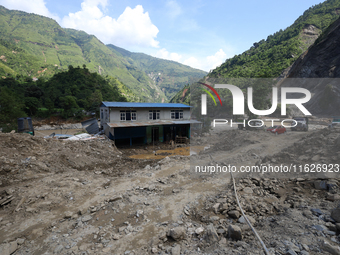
(88, 197)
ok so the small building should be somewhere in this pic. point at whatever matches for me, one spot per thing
(132, 123)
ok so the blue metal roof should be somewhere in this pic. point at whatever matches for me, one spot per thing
(144, 105)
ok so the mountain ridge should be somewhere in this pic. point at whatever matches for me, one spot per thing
(274, 56)
(268, 58)
(320, 63)
(36, 46)
(157, 71)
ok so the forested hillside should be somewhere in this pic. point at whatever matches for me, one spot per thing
(169, 76)
(271, 57)
(268, 58)
(70, 93)
(36, 46)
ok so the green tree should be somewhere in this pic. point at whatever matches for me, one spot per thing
(68, 102)
(69, 106)
(10, 109)
(34, 91)
(94, 101)
(32, 105)
(49, 105)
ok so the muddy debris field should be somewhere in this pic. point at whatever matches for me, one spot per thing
(89, 197)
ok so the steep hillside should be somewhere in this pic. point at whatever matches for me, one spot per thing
(268, 58)
(322, 60)
(30, 50)
(170, 76)
(183, 96)
(273, 56)
(100, 58)
(36, 46)
(69, 94)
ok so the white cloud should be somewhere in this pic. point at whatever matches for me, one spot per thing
(208, 63)
(193, 62)
(203, 63)
(132, 28)
(217, 59)
(31, 6)
(163, 53)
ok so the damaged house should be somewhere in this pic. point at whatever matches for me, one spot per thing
(136, 123)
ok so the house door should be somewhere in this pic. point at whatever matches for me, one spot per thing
(155, 134)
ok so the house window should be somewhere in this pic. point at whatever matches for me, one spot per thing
(101, 114)
(128, 115)
(122, 116)
(106, 115)
(176, 114)
(133, 116)
(154, 114)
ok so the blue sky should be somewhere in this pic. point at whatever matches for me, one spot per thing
(201, 34)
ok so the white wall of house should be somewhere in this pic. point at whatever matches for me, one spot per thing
(107, 129)
(104, 115)
(142, 114)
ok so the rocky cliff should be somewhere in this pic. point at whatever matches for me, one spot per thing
(321, 62)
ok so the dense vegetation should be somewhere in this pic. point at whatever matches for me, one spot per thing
(182, 96)
(268, 58)
(167, 75)
(265, 59)
(71, 93)
(36, 46)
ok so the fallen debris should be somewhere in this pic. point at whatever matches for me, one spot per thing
(83, 197)
(22, 200)
(6, 200)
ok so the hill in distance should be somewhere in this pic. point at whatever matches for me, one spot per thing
(169, 76)
(36, 46)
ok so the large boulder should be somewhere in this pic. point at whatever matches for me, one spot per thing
(177, 233)
(335, 214)
(234, 232)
